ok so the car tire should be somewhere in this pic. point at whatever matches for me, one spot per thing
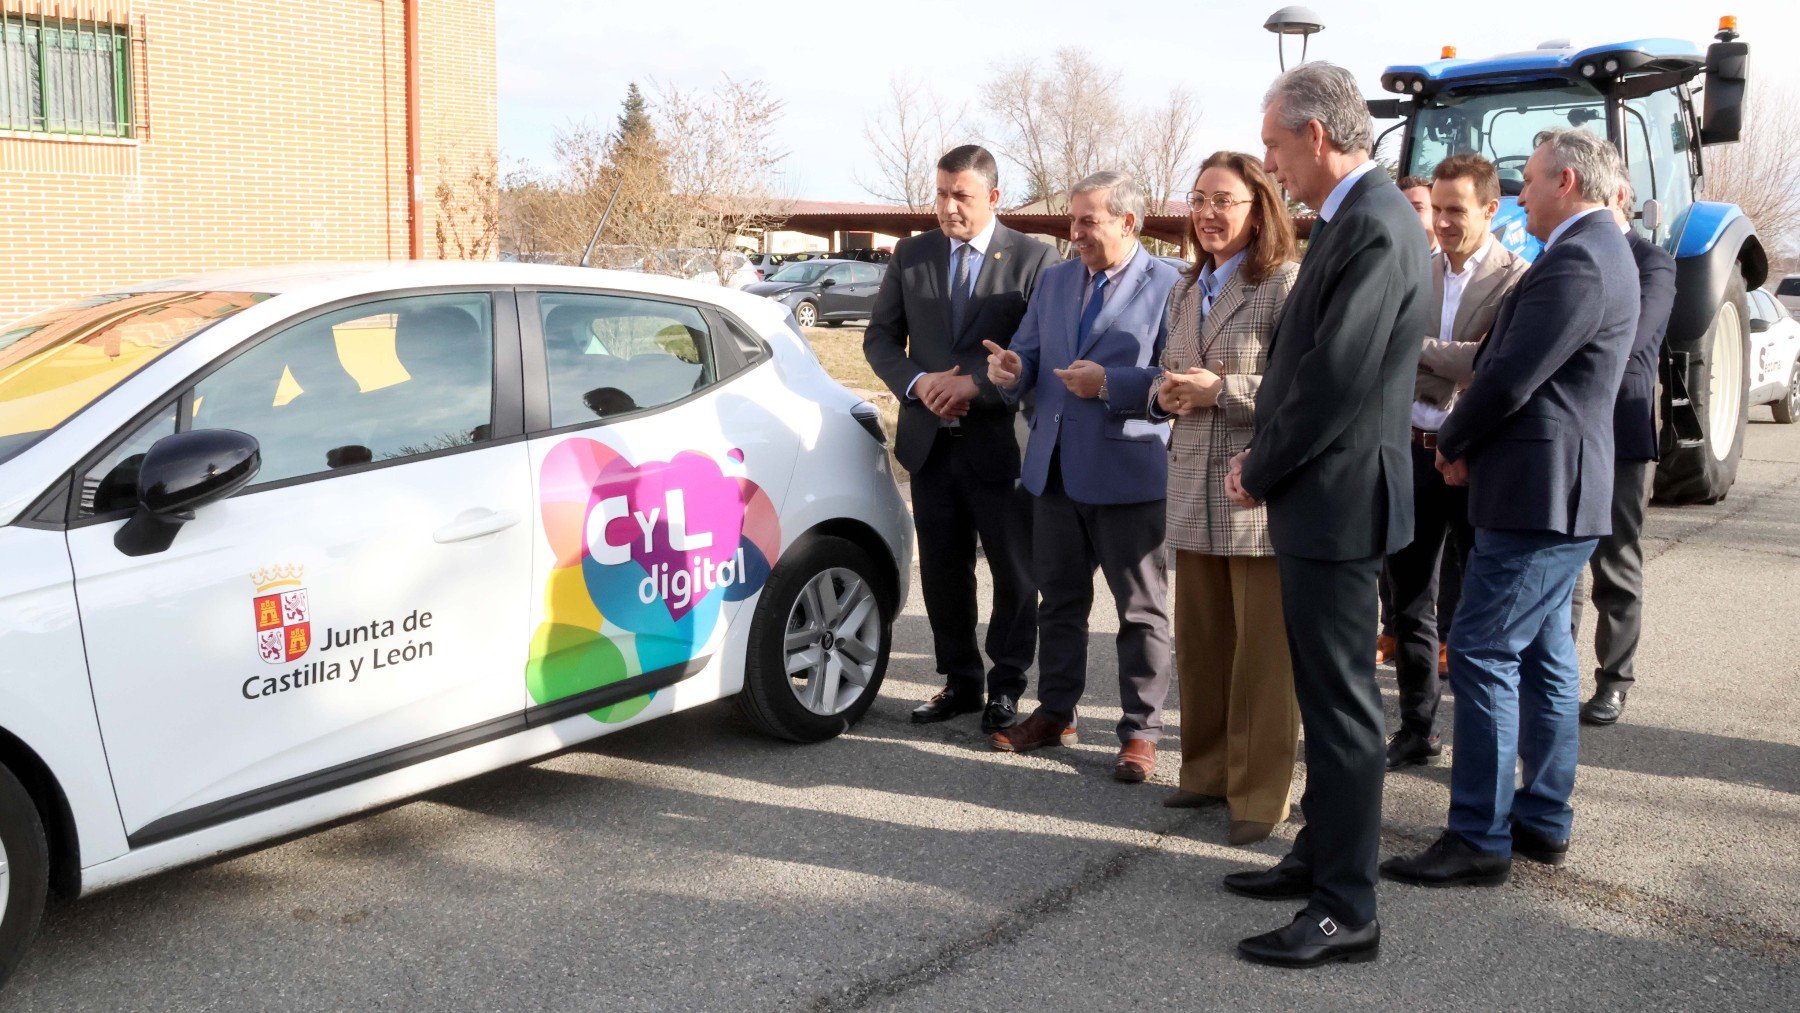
(820, 600)
(1704, 474)
(24, 872)
(1788, 408)
(806, 314)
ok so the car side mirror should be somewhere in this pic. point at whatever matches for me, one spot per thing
(1758, 326)
(827, 282)
(180, 474)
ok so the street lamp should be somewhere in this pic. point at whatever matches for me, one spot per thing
(1294, 20)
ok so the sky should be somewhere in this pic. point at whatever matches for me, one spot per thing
(561, 63)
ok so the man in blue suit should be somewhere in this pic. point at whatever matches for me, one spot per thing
(1532, 437)
(1089, 346)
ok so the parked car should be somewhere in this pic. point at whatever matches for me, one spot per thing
(700, 266)
(1775, 363)
(286, 544)
(824, 291)
(1788, 291)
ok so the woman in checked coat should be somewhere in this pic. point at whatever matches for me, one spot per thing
(1239, 720)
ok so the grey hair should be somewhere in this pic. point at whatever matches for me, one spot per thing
(1327, 93)
(1598, 168)
(1628, 192)
(1123, 197)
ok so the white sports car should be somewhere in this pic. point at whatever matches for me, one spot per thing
(286, 544)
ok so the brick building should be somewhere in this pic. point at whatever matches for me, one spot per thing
(146, 138)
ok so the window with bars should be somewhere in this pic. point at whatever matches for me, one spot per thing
(63, 76)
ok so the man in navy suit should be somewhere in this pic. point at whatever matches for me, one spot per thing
(1089, 346)
(1332, 456)
(1533, 439)
(1618, 563)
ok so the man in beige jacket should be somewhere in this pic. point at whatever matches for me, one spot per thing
(1471, 273)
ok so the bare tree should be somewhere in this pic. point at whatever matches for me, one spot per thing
(906, 138)
(1057, 123)
(1761, 173)
(1160, 151)
(722, 165)
(467, 223)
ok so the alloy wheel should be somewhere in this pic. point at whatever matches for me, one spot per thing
(833, 641)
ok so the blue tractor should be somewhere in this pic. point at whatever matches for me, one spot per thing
(1661, 102)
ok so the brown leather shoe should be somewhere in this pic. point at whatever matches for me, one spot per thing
(1035, 732)
(1386, 648)
(1244, 832)
(1137, 758)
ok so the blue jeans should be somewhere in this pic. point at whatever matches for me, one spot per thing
(1514, 671)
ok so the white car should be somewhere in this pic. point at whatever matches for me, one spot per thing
(286, 544)
(1775, 362)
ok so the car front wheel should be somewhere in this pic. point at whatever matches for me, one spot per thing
(819, 643)
(806, 314)
(1788, 408)
(24, 872)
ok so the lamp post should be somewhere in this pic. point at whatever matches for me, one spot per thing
(1294, 20)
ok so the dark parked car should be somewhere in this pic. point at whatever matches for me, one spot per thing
(824, 291)
(1789, 293)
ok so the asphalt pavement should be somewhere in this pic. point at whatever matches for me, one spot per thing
(692, 864)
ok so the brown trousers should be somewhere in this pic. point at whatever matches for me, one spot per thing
(1239, 720)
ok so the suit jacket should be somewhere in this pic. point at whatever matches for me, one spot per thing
(1536, 424)
(1444, 368)
(1332, 451)
(1634, 413)
(1234, 337)
(909, 334)
(1111, 453)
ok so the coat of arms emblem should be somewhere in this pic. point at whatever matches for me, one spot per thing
(283, 617)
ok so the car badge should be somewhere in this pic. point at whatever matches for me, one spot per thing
(283, 614)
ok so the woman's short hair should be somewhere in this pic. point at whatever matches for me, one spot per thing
(1272, 229)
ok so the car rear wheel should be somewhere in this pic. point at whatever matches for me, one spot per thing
(1788, 408)
(24, 872)
(806, 314)
(1704, 473)
(819, 643)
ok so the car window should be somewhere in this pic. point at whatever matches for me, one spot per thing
(1761, 306)
(800, 273)
(865, 273)
(374, 382)
(839, 274)
(607, 355)
(1789, 285)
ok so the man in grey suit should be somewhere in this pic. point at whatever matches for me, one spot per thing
(1618, 563)
(943, 294)
(1331, 456)
(1471, 273)
(1089, 348)
(1533, 439)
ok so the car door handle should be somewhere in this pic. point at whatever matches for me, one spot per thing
(474, 524)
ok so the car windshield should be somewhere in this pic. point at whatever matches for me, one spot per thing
(801, 273)
(1501, 124)
(56, 363)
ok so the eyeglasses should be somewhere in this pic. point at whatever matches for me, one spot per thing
(1221, 201)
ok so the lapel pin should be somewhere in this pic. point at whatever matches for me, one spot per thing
(996, 254)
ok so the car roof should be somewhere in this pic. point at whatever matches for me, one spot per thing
(276, 279)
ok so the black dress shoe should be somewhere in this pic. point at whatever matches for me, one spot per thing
(1312, 939)
(1288, 880)
(946, 705)
(1604, 708)
(1450, 861)
(1529, 844)
(1002, 712)
(1412, 748)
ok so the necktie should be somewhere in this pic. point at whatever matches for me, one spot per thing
(959, 288)
(1091, 312)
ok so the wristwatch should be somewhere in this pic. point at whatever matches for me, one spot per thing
(1102, 392)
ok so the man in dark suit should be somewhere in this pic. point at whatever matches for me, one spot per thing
(1097, 469)
(1618, 563)
(943, 294)
(1533, 439)
(1331, 456)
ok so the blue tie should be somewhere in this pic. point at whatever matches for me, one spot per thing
(959, 288)
(1091, 312)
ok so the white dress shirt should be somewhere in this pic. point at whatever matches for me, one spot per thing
(1336, 198)
(1569, 222)
(1425, 416)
